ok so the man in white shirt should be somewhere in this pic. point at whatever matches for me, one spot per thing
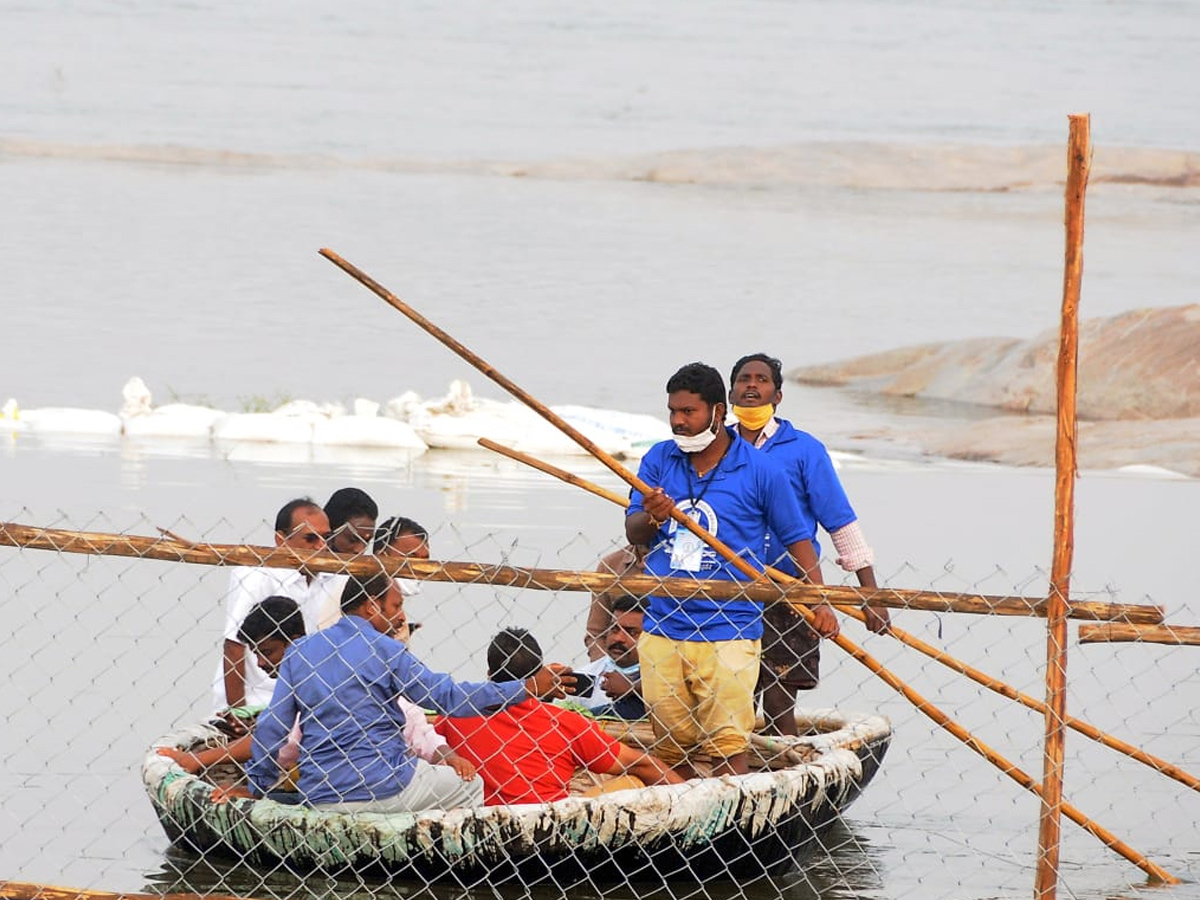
(302, 525)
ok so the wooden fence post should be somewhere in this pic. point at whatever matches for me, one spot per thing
(1079, 157)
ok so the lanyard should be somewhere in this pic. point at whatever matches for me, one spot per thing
(712, 476)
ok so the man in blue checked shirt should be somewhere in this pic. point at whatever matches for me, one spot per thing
(340, 686)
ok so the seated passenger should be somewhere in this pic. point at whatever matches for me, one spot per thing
(401, 536)
(267, 632)
(627, 560)
(352, 514)
(528, 752)
(300, 525)
(617, 689)
(342, 683)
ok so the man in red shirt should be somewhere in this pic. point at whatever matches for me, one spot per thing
(528, 752)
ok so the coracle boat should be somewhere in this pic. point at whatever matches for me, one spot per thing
(734, 827)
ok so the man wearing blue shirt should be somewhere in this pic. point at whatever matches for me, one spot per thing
(791, 650)
(341, 684)
(699, 657)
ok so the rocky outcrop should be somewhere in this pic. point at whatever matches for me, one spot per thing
(1172, 444)
(1139, 365)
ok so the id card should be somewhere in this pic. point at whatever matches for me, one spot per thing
(688, 552)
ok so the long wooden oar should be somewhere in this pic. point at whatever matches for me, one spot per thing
(560, 474)
(92, 543)
(137, 546)
(1107, 838)
(1160, 765)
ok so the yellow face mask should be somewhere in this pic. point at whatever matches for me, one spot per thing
(754, 418)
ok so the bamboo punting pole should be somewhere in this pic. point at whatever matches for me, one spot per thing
(1147, 634)
(923, 705)
(184, 551)
(560, 474)
(798, 592)
(1160, 765)
(993, 684)
(1079, 157)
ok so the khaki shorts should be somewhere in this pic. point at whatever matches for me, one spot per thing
(700, 695)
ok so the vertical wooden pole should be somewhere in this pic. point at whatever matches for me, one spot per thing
(1079, 158)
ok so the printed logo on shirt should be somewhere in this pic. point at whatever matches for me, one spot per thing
(688, 552)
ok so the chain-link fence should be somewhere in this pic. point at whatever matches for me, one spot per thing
(117, 646)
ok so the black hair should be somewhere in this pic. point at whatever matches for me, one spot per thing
(395, 527)
(283, 519)
(773, 364)
(359, 590)
(626, 603)
(513, 655)
(276, 617)
(701, 379)
(345, 503)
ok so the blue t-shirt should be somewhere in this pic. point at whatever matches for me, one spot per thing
(744, 496)
(815, 483)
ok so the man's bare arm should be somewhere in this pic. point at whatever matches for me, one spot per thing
(876, 619)
(650, 769)
(234, 665)
(641, 527)
(824, 621)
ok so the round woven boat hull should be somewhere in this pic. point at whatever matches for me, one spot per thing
(738, 827)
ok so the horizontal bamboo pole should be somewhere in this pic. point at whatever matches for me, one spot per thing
(20, 890)
(796, 593)
(1112, 632)
(847, 598)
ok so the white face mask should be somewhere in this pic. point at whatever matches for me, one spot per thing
(695, 443)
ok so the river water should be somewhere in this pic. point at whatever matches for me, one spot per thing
(588, 197)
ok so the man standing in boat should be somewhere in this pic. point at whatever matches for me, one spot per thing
(699, 657)
(791, 653)
(301, 525)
